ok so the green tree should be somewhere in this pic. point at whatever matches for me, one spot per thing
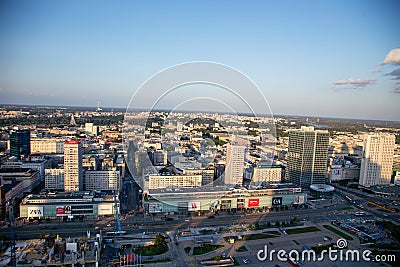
(160, 240)
(277, 224)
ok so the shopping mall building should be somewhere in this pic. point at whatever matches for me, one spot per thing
(68, 205)
(190, 200)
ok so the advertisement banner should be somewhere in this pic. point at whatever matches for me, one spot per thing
(155, 207)
(295, 190)
(276, 201)
(298, 200)
(193, 206)
(35, 212)
(63, 210)
(253, 202)
(105, 209)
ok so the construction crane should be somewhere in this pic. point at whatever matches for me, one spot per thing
(10, 204)
(117, 224)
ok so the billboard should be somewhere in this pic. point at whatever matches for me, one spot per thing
(276, 201)
(193, 206)
(105, 209)
(298, 200)
(63, 210)
(35, 212)
(155, 207)
(295, 190)
(253, 202)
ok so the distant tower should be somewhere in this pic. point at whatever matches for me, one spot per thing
(72, 122)
(307, 156)
(234, 164)
(98, 106)
(73, 172)
(377, 160)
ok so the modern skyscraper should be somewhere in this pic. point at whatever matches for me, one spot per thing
(73, 172)
(307, 156)
(377, 160)
(234, 164)
(20, 143)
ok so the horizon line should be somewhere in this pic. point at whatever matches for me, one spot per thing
(194, 111)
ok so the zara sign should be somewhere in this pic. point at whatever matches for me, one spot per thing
(35, 212)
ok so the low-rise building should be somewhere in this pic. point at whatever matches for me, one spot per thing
(155, 181)
(68, 205)
(47, 146)
(102, 180)
(267, 173)
(54, 179)
(187, 200)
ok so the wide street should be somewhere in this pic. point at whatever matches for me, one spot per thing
(328, 211)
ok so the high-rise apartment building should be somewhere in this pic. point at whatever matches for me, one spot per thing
(377, 159)
(307, 156)
(73, 172)
(234, 164)
(20, 143)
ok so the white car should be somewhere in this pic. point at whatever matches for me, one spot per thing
(108, 225)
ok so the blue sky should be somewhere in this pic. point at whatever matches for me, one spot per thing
(313, 58)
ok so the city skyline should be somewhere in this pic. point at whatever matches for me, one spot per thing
(332, 59)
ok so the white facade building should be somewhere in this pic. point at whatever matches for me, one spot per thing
(168, 181)
(47, 146)
(377, 160)
(234, 164)
(73, 172)
(267, 173)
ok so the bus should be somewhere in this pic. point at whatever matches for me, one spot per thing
(348, 199)
(372, 203)
(117, 233)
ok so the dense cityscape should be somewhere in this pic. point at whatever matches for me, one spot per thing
(101, 187)
(199, 133)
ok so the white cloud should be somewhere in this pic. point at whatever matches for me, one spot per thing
(393, 57)
(352, 83)
(395, 74)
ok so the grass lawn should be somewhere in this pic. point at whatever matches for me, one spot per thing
(241, 249)
(346, 208)
(157, 261)
(205, 248)
(206, 232)
(270, 234)
(151, 250)
(259, 236)
(338, 232)
(302, 230)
